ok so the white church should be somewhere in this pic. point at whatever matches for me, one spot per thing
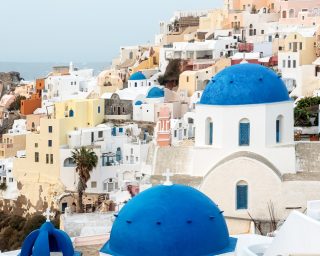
(244, 147)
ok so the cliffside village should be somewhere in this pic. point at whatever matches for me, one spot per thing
(211, 100)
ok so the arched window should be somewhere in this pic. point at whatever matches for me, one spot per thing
(291, 13)
(71, 113)
(209, 131)
(279, 129)
(69, 162)
(242, 195)
(244, 132)
(284, 14)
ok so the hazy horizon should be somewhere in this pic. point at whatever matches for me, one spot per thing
(40, 31)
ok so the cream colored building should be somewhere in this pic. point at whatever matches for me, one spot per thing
(192, 81)
(11, 143)
(39, 171)
(109, 81)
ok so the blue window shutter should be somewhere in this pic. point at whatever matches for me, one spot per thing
(278, 131)
(114, 131)
(244, 134)
(211, 133)
(242, 197)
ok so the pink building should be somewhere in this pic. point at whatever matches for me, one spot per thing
(163, 128)
(300, 12)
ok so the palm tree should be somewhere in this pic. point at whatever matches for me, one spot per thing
(85, 160)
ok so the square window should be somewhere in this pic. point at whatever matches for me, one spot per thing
(100, 134)
(93, 184)
(10, 179)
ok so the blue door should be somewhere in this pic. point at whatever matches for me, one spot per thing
(242, 197)
(244, 134)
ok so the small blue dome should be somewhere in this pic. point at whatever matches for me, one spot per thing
(172, 221)
(137, 76)
(245, 84)
(138, 103)
(45, 240)
(155, 92)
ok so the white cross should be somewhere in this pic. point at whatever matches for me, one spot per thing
(167, 174)
(48, 214)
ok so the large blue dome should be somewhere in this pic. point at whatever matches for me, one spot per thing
(172, 221)
(155, 92)
(45, 240)
(245, 84)
(137, 76)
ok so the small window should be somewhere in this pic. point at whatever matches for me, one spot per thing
(244, 133)
(131, 151)
(100, 134)
(10, 179)
(284, 63)
(47, 158)
(35, 145)
(51, 158)
(36, 157)
(242, 195)
(294, 63)
(49, 143)
(99, 109)
(262, 32)
(187, 79)
(93, 184)
(50, 129)
(289, 63)
(175, 133)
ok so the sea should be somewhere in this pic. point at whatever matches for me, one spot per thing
(30, 71)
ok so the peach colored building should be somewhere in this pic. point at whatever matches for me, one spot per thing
(251, 5)
(163, 128)
(33, 121)
(300, 12)
(30, 105)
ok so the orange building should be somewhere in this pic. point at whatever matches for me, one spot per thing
(28, 106)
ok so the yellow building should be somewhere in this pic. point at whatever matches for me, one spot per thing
(11, 143)
(39, 171)
(149, 63)
(216, 19)
(192, 81)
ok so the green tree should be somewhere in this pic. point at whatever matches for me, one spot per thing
(85, 159)
(17, 103)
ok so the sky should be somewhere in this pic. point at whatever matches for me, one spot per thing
(82, 30)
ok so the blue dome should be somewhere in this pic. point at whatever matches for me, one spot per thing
(155, 92)
(138, 103)
(45, 240)
(245, 84)
(137, 76)
(172, 221)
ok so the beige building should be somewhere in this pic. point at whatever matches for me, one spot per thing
(109, 81)
(11, 143)
(39, 171)
(192, 81)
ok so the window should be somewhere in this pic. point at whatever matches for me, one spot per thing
(47, 158)
(50, 129)
(100, 134)
(36, 157)
(51, 158)
(262, 32)
(300, 46)
(284, 63)
(244, 133)
(71, 113)
(135, 84)
(279, 129)
(175, 133)
(67, 163)
(49, 143)
(209, 132)
(131, 151)
(93, 184)
(294, 63)
(187, 79)
(242, 195)
(10, 179)
(99, 109)
(35, 145)
(289, 63)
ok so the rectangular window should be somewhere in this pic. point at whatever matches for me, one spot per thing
(10, 179)
(210, 133)
(99, 109)
(100, 134)
(294, 63)
(35, 145)
(36, 157)
(47, 158)
(242, 197)
(50, 129)
(244, 134)
(283, 63)
(49, 143)
(175, 133)
(300, 46)
(262, 32)
(278, 131)
(51, 158)
(289, 63)
(93, 184)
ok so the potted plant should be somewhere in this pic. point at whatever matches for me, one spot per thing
(314, 137)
